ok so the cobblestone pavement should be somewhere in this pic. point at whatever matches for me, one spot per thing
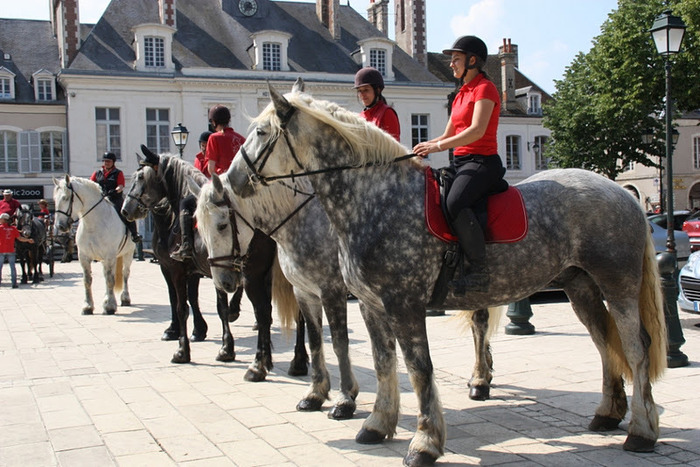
(100, 390)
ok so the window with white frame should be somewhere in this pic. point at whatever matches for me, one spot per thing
(534, 106)
(44, 91)
(107, 131)
(272, 56)
(8, 152)
(7, 84)
(52, 151)
(158, 130)
(419, 128)
(540, 147)
(154, 52)
(513, 152)
(377, 59)
(29, 152)
(696, 152)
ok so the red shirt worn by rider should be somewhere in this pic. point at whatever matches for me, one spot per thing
(384, 117)
(201, 164)
(9, 207)
(463, 111)
(120, 176)
(8, 234)
(221, 148)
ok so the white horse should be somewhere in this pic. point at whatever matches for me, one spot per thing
(101, 236)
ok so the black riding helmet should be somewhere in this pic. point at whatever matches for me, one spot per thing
(109, 155)
(204, 137)
(470, 46)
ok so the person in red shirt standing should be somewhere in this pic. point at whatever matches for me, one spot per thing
(111, 180)
(224, 143)
(8, 235)
(370, 84)
(472, 132)
(9, 205)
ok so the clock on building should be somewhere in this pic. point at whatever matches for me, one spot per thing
(248, 7)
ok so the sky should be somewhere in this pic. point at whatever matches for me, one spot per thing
(549, 33)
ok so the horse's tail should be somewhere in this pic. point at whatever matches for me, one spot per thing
(283, 298)
(119, 275)
(651, 312)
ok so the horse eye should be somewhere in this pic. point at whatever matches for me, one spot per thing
(221, 227)
(260, 132)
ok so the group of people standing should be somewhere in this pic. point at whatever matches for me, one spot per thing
(471, 132)
(9, 234)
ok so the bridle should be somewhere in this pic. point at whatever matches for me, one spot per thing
(73, 195)
(235, 260)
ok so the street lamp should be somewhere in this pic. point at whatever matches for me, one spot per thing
(179, 134)
(667, 32)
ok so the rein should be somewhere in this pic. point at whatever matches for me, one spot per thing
(235, 260)
(73, 195)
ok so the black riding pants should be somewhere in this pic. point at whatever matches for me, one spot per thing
(475, 177)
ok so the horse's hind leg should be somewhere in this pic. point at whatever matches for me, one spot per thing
(587, 302)
(89, 305)
(480, 382)
(299, 366)
(336, 312)
(125, 298)
(199, 333)
(320, 386)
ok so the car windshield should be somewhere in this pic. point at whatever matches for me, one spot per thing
(694, 216)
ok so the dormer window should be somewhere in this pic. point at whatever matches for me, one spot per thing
(153, 47)
(534, 106)
(44, 86)
(377, 52)
(269, 50)
(7, 84)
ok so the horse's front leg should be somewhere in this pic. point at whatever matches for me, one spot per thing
(199, 333)
(109, 305)
(258, 294)
(479, 384)
(226, 353)
(299, 366)
(172, 332)
(179, 279)
(89, 305)
(125, 298)
(336, 312)
(320, 386)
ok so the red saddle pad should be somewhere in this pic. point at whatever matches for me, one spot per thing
(507, 217)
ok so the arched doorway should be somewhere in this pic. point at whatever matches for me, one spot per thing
(694, 196)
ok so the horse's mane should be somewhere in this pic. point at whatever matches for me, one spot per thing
(174, 172)
(86, 182)
(368, 142)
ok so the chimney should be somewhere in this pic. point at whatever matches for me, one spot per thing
(327, 12)
(378, 15)
(66, 28)
(410, 28)
(166, 9)
(508, 54)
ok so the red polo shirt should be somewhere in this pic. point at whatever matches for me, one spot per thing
(221, 148)
(463, 112)
(8, 234)
(384, 117)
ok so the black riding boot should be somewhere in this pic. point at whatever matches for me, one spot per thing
(131, 226)
(185, 250)
(471, 239)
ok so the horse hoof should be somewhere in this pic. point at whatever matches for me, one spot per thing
(301, 369)
(180, 357)
(254, 376)
(342, 412)
(636, 443)
(603, 423)
(224, 356)
(126, 302)
(170, 335)
(196, 337)
(87, 311)
(418, 459)
(309, 405)
(233, 316)
(109, 312)
(365, 436)
(480, 392)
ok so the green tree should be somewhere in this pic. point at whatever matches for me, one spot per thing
(611, 95)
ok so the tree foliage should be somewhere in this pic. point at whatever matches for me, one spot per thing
(612, 94)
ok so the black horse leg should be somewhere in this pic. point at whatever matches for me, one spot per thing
(300, 363)
(199, 333)
(173, 331)
(258, 290)
(179, 278)
(227, 352)
(234, 307)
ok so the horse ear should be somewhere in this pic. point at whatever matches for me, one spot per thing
(55, 181)
(151, 157)
(282, 105)
(67, 179)
(216, 182)
(139, 159)
(298, 85)
(193, 186)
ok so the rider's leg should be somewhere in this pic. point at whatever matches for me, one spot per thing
(187, 208)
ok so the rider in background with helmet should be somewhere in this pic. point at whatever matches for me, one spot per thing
(200, 158)
(471, 131)
(111, 180)
(369, 84)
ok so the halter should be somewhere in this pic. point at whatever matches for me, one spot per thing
(235, 260)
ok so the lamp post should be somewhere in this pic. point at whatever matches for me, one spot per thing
(179, 134)
(667, 32)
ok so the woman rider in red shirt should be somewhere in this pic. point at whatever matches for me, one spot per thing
(471, 131)
(369, 84)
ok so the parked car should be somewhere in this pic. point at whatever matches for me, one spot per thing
(692, 227)
(689, 285)
(659, 235)
(679, 217)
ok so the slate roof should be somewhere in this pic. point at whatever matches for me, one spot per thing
(32, 47)
(212, 34)
(439, 65)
